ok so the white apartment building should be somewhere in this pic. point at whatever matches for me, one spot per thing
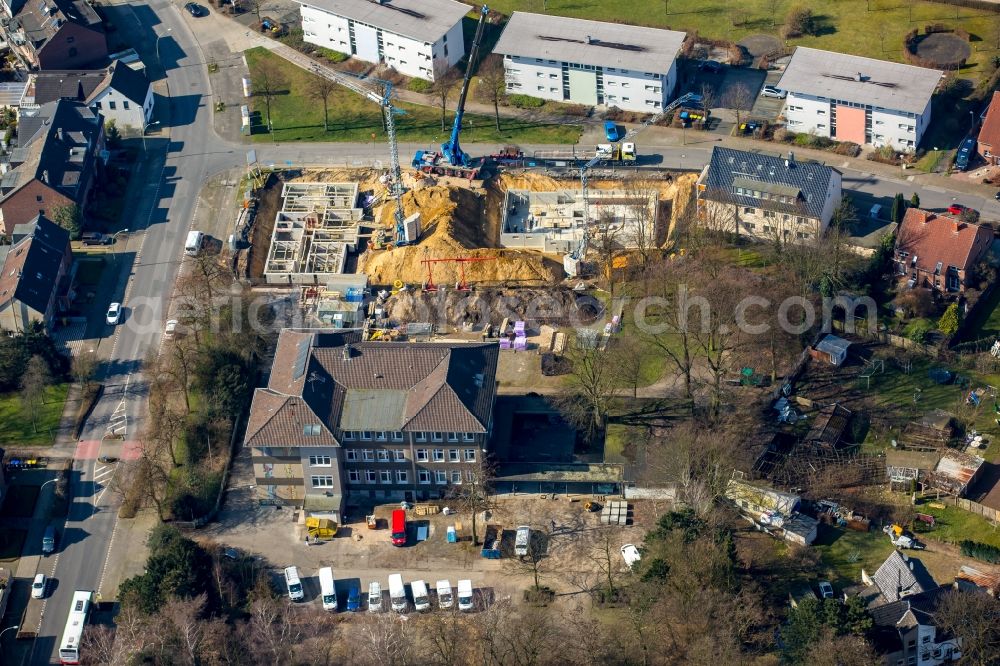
(412, 36)
(590, 62)
(863, 100)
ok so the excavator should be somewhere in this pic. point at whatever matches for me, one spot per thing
(452, 160)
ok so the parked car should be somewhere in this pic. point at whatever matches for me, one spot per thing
(965, 153)
(773, 92)
(825, 590)
(95, 238)
(875, 212)
(710, 66)
(114, 314)
(170, 330)
(997, 195)
(631, 555)
(957, 209)
(195, 10)
(611, 130)
(38, 586)
(107, 460)
(354, 599)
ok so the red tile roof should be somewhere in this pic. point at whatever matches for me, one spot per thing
(990, 132)
(933, 238)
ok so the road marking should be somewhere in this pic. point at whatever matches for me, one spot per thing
(107, 557)
(935, 188)
(87, 450)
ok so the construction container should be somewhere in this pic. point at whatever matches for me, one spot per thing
(321, 528)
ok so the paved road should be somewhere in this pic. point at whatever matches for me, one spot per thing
(179, 160)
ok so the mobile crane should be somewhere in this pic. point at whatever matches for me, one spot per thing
(571, 262)
(452, 160)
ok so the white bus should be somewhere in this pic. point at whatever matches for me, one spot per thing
(79, 610)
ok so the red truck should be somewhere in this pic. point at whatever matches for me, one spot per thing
(398, 525)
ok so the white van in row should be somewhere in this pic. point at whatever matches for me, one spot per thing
(465, 600)
(374, 597)
(294, 585)
(397, 593)
(445, 600)
(194, 242)
(421, 599)
(327, 590)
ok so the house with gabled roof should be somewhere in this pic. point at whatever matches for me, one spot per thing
(53, 34)
(939, 252)
(988, 141)
(905, 632)
(379, 420)
(36, 281)
(766, 197)
(898, 577)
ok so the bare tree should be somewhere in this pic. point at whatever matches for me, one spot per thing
(320, 91)
(589, 389)
(492, 85)
(740, 100)
(643, 198)
(271, 629)
(534, 563)
(268, 82)
(83, 367)
(975, 619)
(883, 32)
(664, 322)
(446, 78)
(34, 381)
(387, 638)
(185, 619)
(606, 237)
(604, 553)
(475, 495)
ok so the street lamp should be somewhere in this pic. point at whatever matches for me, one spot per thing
(144, 128)
(16, 626)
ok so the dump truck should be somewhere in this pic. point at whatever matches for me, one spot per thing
(493, 542)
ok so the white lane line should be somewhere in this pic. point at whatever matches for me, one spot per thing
(107, 557)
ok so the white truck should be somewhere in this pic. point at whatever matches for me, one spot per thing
(421, 599)
(445, 598)
(327, 589)
(522, 541)
(465, 600)
(397, 593)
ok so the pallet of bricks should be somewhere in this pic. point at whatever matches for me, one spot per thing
(616, 512)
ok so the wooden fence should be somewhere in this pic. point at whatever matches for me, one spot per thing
(986, 512)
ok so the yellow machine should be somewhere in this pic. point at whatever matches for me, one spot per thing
(321, 528)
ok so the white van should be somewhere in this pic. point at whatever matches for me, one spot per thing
(465, 595)
(192, 246)
(445, 599)
(421, 600)
(397, 593)
(522, 541)
(327, 590)
(374, 597)
(294, 585)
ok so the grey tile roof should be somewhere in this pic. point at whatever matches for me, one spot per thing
(423, 20)
(905, 613)
(129, 82)
(423, 387)
(729, 168)
(31, 267)
(72, 84)
(41, 19)
(885, 84)
(284, 420)
(590, 42)
(896, 580)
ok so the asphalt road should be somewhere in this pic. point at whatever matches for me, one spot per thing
(185, 151)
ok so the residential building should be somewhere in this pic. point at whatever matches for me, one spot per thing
(767, 197)
(988, 141)
(898, 577)
(590, 62)
(862, 100)
(54, 164)
(939, 251)
(417, 38)
(53, 34)
(378, 420)
(119, 92)
(955, 472)
(36, 281)
(773, 508)
(904, 633)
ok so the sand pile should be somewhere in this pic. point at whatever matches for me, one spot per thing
(557, 306)
(453, 225)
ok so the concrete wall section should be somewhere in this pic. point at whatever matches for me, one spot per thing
(809, 115)
(643, 92)
(894, 128)
(326, 30)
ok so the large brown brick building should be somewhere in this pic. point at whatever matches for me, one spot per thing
(54, 34)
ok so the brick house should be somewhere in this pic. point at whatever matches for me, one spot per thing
(767, 197)
(379, 420)
(54, 34)
(939, 251)
(36, 282)
(988, 142)
(54, 163)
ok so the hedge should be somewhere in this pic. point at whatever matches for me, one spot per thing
(980, 551)
(525, 101)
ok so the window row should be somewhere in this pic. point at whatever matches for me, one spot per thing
(369, 455)
(437, 455)
(378, 476)
(385, 476)
(382, 436)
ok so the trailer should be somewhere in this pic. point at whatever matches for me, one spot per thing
(493, 542)
(605, 154)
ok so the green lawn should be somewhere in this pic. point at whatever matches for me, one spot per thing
(296, 117)
(846, 25)
(846, 552)
(15, 423)
(11, 544)
(91, 267)
(953, 525)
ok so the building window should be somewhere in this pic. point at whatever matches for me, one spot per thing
(456, 477)
(380, 435)
(749, 211)
(423, 476)
(311, 429)
(399, 455)
(470, 455)
(421, 437)
(452, 455)
(469, 476)
(452, 436)
(319, 461)
(397, 437)
(469, 436)
(350, 455)
(354, 475)
(367, 455)
(371, 476)
(437, 437)
(402, 476)
(365, 434)
(97, 105)
(442, 477)
(348, 435)
(111, 105)
(421, 455)
(385, 476)
(438, 455)
(125, 104)
(322, 482)
(383, 455)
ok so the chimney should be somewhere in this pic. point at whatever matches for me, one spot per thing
(956, 225)
(791, 159)
(347, 352)
(59, 133)
(911, 565)
(45, 176)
